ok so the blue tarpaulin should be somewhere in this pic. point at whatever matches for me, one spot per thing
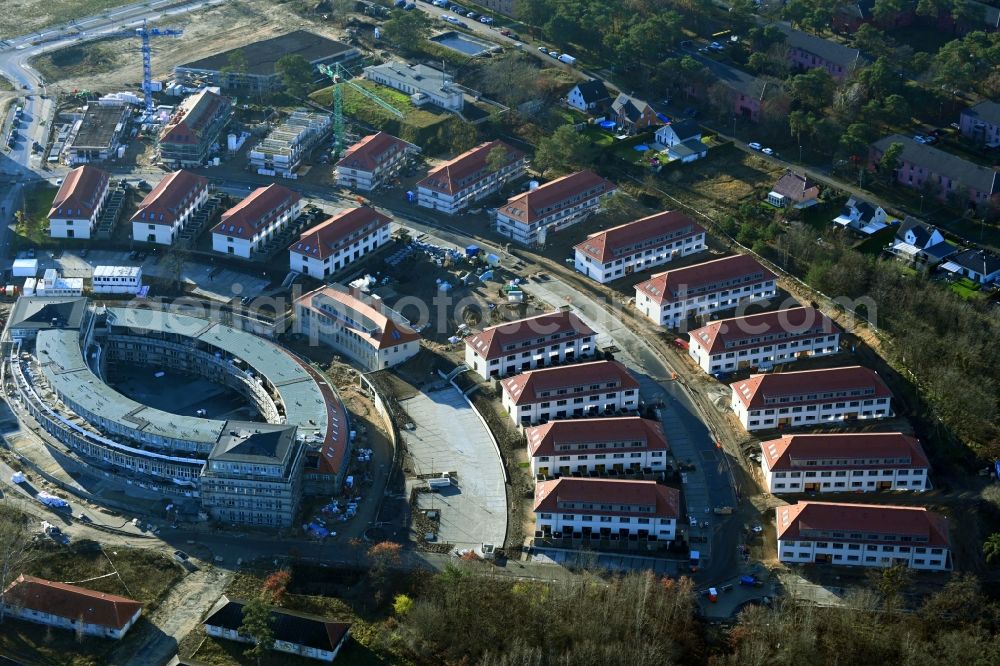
(642, 147)
(607, 124)
(663, 118)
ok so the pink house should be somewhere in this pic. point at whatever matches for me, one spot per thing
(749, 92)
(807, 51)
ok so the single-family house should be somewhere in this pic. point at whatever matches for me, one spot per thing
(639, 245)
(294, 633)
(632, 114)
(981, 266)
(678, 132)
(468, 178)
(251, 223)
(340, 240)
(688, 150)
(981, 123)
(792, 189)
(918, 242)
(863, 535)
(372, 161)
(589, 96)
(585, 446)
(606, 509)
(167, 209)
(79, 203)
(947, 176)
(861, 216)
(844, 462)
(66, 606)
(535, 342)
(806, 51)
(810, 397)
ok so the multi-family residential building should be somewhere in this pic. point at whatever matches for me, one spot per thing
(763, 340)
(669, 298)
(792, 189)
(808, 397)
(373, 161)
(602, 508)
(589, 96)
(526, 344)
(294, 633)
(636, 246)
(528, 218)
(285, 146)
(567, 391)
(863, 535)
(79, 203)
(614, 444)
(254, 475)
(339, 241)
(748, 93)
(632, 114)
(187, 139)
(949, 177)
(981, 123)
(169, 207)
(424, 85)
(918, 242)
(466, 179)
(256, 220)
(362, 328)
(844, 462)
(807, 51)
(64, 606)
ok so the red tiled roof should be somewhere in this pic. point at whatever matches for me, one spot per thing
(491, 342)
(559, 193)
(752, 392)
(80, 194)
(803, 517)
(192, 117)
(71, 602)
(542, 440)
(327, 237)
(853, 447)
(796, 323)
(170, 197)
(633, 236)
(666, 286)
(523, 388)
(548, 495)
(468, 168)
(389, 331)
(373, 151)
(247, 217)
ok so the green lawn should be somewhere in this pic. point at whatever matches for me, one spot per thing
(361, 107)
(966, 289)
(33, 230)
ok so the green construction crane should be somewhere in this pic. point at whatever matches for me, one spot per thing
(341, 76)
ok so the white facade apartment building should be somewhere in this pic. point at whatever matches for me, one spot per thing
(169, 207)
(526, 344)
(596, 445)
(79, 203)
(671, 297)
(567, 391)
(844, 462)
(374, 160)
(460, 182)
(809, 397)
(116, 279)
(863, 535)
(530, 217)
(255, 220)
(422, 83)
(339, 241)
(569, 507)
(763, 339)
(364, 330)
(651, 241)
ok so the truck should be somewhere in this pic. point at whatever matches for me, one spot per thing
(51, 500)
(723, 510)
(438, 483)
(567, 58)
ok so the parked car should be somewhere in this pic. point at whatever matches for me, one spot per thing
(716, 46)
(686, 43)
(553, 54)
(180, 556)
(919, 139)
(487, 20)
(767, 151)
(541, 49)
(754, 145)
(471, 15)
(440, 3)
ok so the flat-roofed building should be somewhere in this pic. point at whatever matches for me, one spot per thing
(863, 535)
(187, 138)
(339, 241)
(844, 462)
(808, 397)
(424, 85)
(98, 134)
(70, 607)
(535, 342)
(256, 220)
(763, 340)
(116, 279)
(373, 161)
(285, 146)
(618, 444)
(569, 506)
(636, 246)
(567, 391)
(165, 211)
(464, 180)
(530, 217)
(671, 297)
(79, 203)
(364, 329)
